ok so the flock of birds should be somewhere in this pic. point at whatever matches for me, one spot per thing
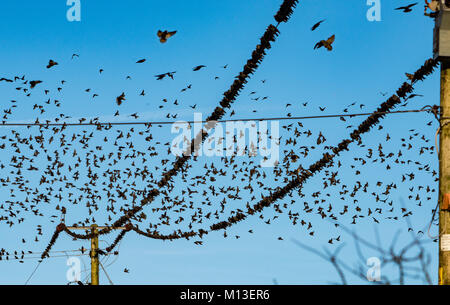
(54, 172)
(328, 43)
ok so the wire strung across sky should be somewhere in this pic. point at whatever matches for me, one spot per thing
(149, 124)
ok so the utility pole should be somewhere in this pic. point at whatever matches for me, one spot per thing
(444, 177)
(94, 256)
(95, 278)
(441, 52)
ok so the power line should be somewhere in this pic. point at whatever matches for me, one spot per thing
(149, 124)
(34, 271)
(106, 273)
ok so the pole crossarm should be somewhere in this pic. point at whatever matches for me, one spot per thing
(95, 251)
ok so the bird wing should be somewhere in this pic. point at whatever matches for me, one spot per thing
(318, 45)
(170, 34)
(331, 39)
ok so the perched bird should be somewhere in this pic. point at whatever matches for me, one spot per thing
(325, 43)
(164, 35)
(433, 6)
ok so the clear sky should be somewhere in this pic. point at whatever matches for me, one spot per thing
(368, 59)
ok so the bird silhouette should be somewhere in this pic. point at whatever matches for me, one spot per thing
(315, 26)
(165, 35)
(407, 8)
(326, 43)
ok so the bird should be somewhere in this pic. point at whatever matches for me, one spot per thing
(140, 61)
(315, 26)
(164, 35)
(407, 8)
(325, 43)
(433, 6)
(410, 76)
(33, 83)
(197, 68)
(120, 98)
(51, 63)
(160, 76)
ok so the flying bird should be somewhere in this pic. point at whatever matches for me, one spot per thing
(325, 43)
(315, 26)
(33, 83)
(197, 68)
(406, 9)
(51, 63)
(164, 35)
(120, 99)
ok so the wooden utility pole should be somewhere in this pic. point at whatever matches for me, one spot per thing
(94, 256)
(95, 278)
(444, 177)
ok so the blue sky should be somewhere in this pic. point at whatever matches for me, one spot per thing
(368, 58)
